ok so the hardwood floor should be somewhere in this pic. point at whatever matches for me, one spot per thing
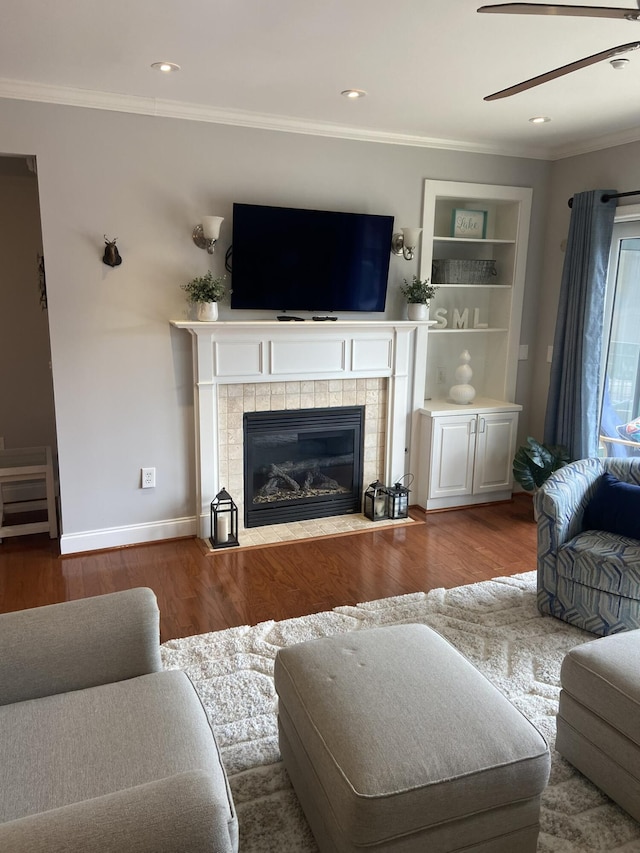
(200, 592)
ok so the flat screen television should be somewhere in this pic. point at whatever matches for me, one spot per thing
(288, 259)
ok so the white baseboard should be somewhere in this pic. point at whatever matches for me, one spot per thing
(134, 534)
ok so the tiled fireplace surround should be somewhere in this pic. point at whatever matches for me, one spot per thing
(235, 400)
(268, 366)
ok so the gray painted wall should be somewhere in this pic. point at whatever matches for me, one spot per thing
(122, 375)
(614, 169)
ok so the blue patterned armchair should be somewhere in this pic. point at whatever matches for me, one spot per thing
(590, 578)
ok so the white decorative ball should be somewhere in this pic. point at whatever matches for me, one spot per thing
(462, 394)
(463, 374)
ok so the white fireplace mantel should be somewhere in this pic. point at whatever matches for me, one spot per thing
(226, 353)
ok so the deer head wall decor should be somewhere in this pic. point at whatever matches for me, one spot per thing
(111, 255)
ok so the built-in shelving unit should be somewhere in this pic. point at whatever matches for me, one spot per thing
(465, 453)
(494, 347)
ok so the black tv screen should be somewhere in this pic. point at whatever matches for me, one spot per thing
(287, 259)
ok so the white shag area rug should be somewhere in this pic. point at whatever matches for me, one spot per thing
(495, 624)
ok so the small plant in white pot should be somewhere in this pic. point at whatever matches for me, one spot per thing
(418, 292)
(205, 292)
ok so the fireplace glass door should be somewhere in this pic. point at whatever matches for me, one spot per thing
(302, 464)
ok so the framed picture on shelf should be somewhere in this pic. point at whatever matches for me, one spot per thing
(469, 223)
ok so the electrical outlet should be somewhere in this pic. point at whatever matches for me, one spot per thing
(441, 376)
(148, 478)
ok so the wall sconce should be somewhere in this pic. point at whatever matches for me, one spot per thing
(206, 235)
(405, 242)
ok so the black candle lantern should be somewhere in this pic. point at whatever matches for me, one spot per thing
(398, 501)
(375, 501)
(224, 521)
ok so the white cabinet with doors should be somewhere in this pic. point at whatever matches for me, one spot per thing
(466, 453)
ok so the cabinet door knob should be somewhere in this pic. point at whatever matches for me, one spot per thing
(481, 424)
(472, 427)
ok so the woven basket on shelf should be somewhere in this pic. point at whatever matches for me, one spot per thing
(454, 271)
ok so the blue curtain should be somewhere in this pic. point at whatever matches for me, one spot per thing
(573, 401)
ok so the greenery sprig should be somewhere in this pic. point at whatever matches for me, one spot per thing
(204, 288)
(418, 290)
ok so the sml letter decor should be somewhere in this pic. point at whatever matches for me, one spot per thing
(459, 319)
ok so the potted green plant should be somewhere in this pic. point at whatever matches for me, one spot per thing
(205, 292)
(417, 293)
(534, 463)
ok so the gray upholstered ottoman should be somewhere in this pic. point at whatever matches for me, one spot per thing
(599, 716)
(394, 742)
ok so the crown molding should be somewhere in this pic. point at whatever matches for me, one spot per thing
(21, 90)
(90, 99)
(162, 108)
(597, 143)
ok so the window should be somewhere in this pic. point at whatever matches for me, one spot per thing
(620, 393)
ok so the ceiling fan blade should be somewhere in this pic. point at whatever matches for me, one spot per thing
(572, 11)
(564, 69)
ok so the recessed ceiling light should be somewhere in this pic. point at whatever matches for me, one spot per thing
(539, 119)
(166, 67)
(353, 93)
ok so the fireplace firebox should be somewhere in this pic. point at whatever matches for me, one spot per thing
(302, 464)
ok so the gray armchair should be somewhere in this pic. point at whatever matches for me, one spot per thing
(588, 577)
(100, 750)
